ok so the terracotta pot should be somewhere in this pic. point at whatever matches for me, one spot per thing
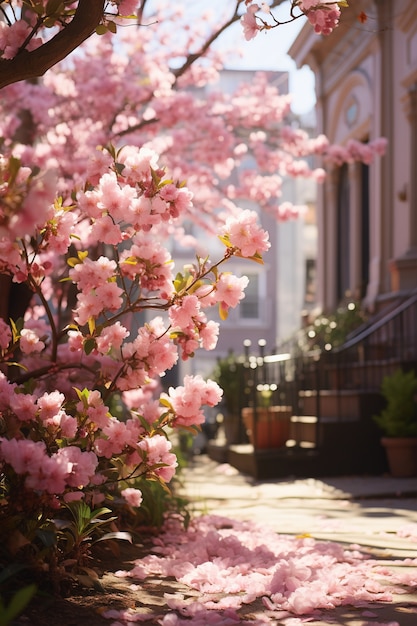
(270, 428)
(401, 455)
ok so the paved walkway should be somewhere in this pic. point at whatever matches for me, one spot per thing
(378, 513)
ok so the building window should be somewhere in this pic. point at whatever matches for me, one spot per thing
(310, 285)
(249, 306)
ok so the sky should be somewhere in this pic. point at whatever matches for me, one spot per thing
(268, 51)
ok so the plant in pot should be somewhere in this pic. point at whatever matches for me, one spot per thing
(267, 425)
(398, 422)
(227, 375)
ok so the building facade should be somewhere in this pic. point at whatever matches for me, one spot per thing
(278, 290)
(366, 87)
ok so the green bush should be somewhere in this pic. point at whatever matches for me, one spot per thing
(399, 418)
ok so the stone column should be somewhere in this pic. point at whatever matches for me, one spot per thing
(385, 37)
(327, 243)
(355, 211)
(404, 268)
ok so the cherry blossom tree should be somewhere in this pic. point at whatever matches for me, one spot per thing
(34, 36)
(106, 157)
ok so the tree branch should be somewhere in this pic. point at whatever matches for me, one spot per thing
(35, 63)
(192, 57)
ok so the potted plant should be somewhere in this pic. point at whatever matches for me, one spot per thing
(398, 422)
(227, 375)
(267, 425)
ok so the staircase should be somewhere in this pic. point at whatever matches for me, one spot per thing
(333, 395)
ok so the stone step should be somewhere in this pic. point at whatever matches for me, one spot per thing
(340, 405)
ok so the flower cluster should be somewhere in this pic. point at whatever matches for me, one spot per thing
(323, 15)
(91, 267)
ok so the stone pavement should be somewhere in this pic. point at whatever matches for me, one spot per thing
(372, 511)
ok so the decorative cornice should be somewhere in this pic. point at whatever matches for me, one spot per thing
(337, 53)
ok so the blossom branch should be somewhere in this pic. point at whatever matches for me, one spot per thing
(27, 65)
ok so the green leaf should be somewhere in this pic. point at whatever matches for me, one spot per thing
(15, 364)
(14, 167)
(53, 7)
(101, 29)
(225, 239)
(16, 328)
(115, 535)
(111, 26)
(89, 345)
(131, 260)
(82, 395)
(39, 9)
(223, 311)
(72, 261)
(16, 605)
(91, 325)
(145, 425)
(49, 22)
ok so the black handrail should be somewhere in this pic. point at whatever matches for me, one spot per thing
(357, 366)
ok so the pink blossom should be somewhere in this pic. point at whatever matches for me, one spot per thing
(13, 36)
(138, 163)
(10, 259)
(23, 406)
(119, 435)
(5, 335)
(114, 198)
(67, 424)
(230, 289)
(7, 390)
(249, 23)
(50, 475)
(63, 228)
(75, 340)
(188, 399)
(209, 335)
(128, 7)
(89, 274)
(146, 254)
(181, 315)
(155, 451)
(212, 392)
(111, 338)
(324, 16)
(379, 146)
(110, 296)
(30, 342)
(245, 234)
(183, 201)
(89, 306)
(132, 496)
(104, 229)
(22, 454)
(50, 404)
(81, 465)
(97, 412)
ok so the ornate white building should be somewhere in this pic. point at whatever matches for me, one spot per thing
(366, 87)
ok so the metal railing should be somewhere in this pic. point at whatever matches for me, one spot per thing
(358, 365)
